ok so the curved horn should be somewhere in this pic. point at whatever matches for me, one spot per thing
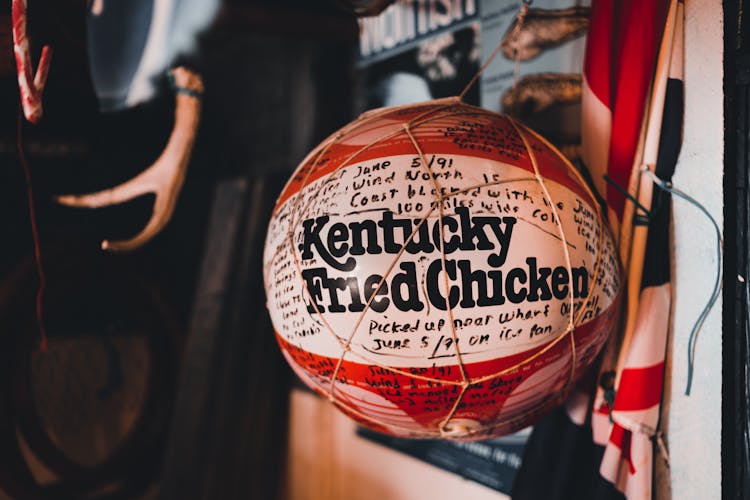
(165, 176)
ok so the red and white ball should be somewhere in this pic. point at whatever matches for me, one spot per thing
(417, 275)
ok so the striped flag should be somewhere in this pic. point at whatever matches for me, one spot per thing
(628, 459)
(632, 119)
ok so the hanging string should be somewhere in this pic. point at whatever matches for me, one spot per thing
(522, 11)
(516, 31)
(692, 340)
(449, 427)
(35, 234)
(636, 427)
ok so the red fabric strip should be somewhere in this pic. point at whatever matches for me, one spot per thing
(640, 388)
(621, 438)
(638, 27)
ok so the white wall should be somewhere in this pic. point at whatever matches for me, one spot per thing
(694, 422)
(328, 461)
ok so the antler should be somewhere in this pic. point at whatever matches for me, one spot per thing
(30, 85)
(165, 176)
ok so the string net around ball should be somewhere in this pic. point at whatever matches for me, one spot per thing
(448, 428)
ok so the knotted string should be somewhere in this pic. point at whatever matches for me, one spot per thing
(637, 427)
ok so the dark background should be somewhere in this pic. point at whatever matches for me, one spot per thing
(279, 78)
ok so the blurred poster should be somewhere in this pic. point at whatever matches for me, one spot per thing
(417, 50)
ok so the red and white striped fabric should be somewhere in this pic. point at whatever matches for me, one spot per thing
(621, 50)
(632, 119)
(636, 141)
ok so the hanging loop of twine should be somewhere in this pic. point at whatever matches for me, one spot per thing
(522, 12)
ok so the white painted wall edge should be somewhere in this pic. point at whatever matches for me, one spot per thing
(694, 422)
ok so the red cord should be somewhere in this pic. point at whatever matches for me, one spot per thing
(35, 233)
